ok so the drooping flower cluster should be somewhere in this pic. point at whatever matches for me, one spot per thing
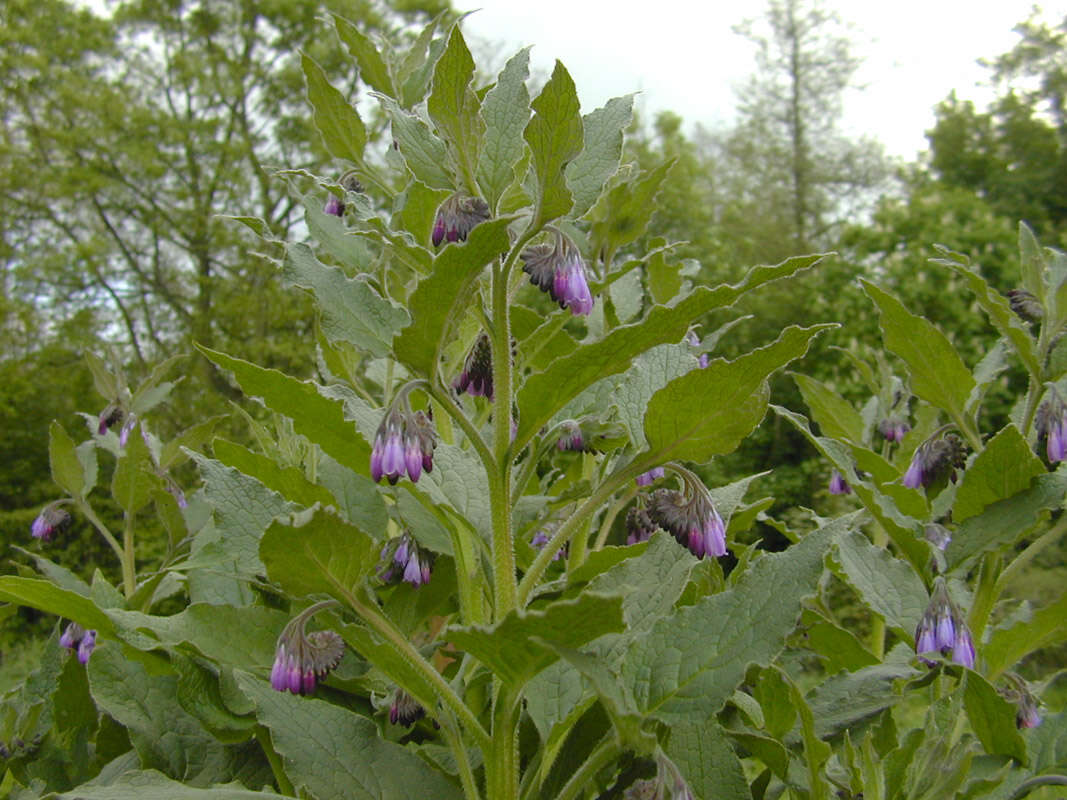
(893, 429)
(943, 629)
(477, 376)
(405, 441)
(53, 519)
(303, 659)
(457, 217)
(570, 436)
(838, 484)
(559, 269)
(78, 640)
(1051, 424)
(111, 416)
(403, 559)
(1027, 707)
(334, 204)
(693, 340)
(934, 460)
(405, 710)
(690, 516)
(639, 525)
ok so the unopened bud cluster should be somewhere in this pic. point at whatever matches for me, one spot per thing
(943, 629)
(302, 659)
(559, 269)
(402, 559)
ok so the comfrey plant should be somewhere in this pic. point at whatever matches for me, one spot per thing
(520, 582)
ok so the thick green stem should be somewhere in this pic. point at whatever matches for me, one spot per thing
(504, 582)
(609, 518)
(502, 766)
(985, 595)
(603, 754)
(880, 538)
(129, 568)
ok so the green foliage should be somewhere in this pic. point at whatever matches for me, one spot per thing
(474, 627)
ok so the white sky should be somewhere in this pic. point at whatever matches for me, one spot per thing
(682, 55)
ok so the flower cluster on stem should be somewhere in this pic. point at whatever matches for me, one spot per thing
(935, 460)
(559, 269)
(403, 559)
(1051, 425)
(689, 515)
(943, 629)
(53, 519)
(78, 640)
(303, 659)
(405, 441)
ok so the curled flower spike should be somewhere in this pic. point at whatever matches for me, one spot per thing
(405, 441)
(1051, 423)
(893, 429)
(639, 525)
(559, 270)
(457, 217)
(76, 639)
(1025, 305)
(405, 709)
(477, 376)
(690, 516)
(838, 484)
(110, 417)
(1028, 710)
(934, 460)
(648, 478)
(303, 659)
(942, 629)
(403, 559)
(53, 519)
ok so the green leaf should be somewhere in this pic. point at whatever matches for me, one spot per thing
(816, 752)
(623, 212)
(154, 390)
(153, 785)
(318, 553)
(889, 586)
(424, 154)
(515, 650)
(454, 107)
(555, 138)
(938, 375)
(835, 415)
(166, 736)
(1004, 468)
(839, 647)
(902, 530)
(664, 277)
(104, 380)
(356, 496)
(545, 392)
(372, 69)
(244, 508)
(318, 418)
(997, 307)
(992, 718)
(690, 662)
(506, 110)
(776, 702)
(651, 371)
(707, 412)
(1048, 744)
(134, 478)
(67, 469)
(340, 126)
(336, 238)
(1005, 521)
(392, 662)
(1032, 263)
(46, 596)
(589, 172)
(289, 482)
(192, 438)
(352, 311)
(1008, 645)
(328, 751)
(440, 297)
(703, 753)
(843, 700)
